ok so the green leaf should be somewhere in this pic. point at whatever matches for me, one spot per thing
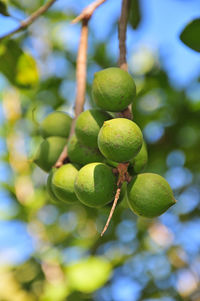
(135, 15)
(27, 72)
(190, 36)
(19, 67)
(88, 275)
(3, 9)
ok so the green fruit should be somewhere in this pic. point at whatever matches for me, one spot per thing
(81, 154)
(48, 152)
(95, 185)
(149, 195)
(113, 89)
(52, 195)
(63, 183)
(88, 125)
(120, 139)
(56, 124)
(138, 163)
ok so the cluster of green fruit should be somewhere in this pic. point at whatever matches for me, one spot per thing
(99, 144)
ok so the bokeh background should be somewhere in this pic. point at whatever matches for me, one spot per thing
(53, 252)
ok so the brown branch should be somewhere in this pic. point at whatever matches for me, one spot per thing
(81, 74)
(122, 48)
(122, 34)
(81, 69)
(24, 24)
(88, 11)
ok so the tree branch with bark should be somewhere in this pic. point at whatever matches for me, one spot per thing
(81, 75)
(24, 24)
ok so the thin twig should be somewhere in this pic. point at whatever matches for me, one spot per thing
(81, 70)
(112, 210)
(81, 74)
(122, 34)
(24, 24)
(88, 11)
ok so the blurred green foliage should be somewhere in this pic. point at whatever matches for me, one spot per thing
(3, 9)
(137, 259)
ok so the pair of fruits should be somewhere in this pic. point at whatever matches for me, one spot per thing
(100, 143)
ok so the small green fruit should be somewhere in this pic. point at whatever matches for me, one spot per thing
(48, 152)
(120, 139)
(149, 195)
(138, 163)
(56, 124)
(63, 183)
(113, 89)
(52, 195)
(95, 185)
(82, 154)
(88, 125)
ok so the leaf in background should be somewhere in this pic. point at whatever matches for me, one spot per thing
(88, 275)
(19, 67)
(101, 56)
(59, 16)
(135, 15)
(3, 9)
(27, 72)
(190, 36)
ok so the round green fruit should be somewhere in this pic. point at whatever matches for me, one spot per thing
(82, 154)
(51, 194)
(56, 124)
(149, 195)
(95, 185)
(48, 152)
(63, 183)
(120, 139)
(88, 125)
(138, 163)
(113, 89)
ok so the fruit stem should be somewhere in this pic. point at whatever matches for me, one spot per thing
(112, 210)
(123, 176)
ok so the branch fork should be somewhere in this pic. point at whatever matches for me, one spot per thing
(87, 13)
